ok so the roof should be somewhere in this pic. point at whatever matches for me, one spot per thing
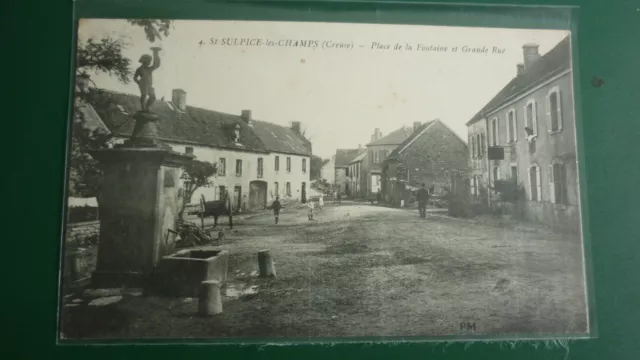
(90, 119)
(196, 125)
(344, 156)
(394, 138)
(359, 157)
(554, 62)
(409, 139)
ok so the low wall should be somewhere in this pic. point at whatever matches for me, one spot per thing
(82, 234)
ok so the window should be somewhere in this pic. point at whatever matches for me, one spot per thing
(495, 136)
(221, 192)
(473, 147)
(222, 169)
(346, 172)
(512, 127)
(260, 167)
(473, 185)
(535, 193)
(288, 164)
(482, 148)
(288, 189)
(277, 163)
(531, 118)
(514, 173)
(188, 150)
(276, 188)
(383, 155)
(558, 183)
(496, 173)
(238, 167)
(479, 146)
(304, 166)
(376, 156)
(554, 111)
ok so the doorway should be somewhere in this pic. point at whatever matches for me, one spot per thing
(257, 194)
(237, 193)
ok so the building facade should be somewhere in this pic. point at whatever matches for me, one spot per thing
(430, 156)
(378, 150)
(342, 180)
(256, 160)
(532, 127)
(358, 175)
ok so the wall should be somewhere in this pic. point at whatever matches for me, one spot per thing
(435, 154)
(549, 148)
(250, 172)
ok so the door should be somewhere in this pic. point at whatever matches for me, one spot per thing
(304, 193)
(257, 195)
(237, 194)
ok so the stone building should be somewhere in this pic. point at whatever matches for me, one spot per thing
(256, 160)
(526, 134)
(431, 154)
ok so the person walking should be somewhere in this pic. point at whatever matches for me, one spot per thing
(422, 197)
(276, 206)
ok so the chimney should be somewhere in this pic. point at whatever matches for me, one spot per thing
(520, 68)
(246, 116)
(531, 54)
(179, 99)
(295, 126)
(416, 125)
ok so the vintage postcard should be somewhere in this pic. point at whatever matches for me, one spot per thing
(291, 180)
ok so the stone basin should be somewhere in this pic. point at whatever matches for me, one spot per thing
(181, 273)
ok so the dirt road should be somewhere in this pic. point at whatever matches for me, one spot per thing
(362, 270)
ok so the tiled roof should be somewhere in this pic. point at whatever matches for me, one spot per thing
(196, 125)
(281, 139)
(393, 138)
(547, 66)
(406, 141)
(344, 156)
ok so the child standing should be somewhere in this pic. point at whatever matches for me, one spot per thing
(276, 208)
(310, 206)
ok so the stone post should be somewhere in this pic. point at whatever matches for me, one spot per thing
(265, 264)
(139, 204)
(209, 298)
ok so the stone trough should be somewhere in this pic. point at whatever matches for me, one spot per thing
(181, 274)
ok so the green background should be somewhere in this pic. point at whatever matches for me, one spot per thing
(39, 34)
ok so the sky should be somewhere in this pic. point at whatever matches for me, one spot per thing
(339, 95)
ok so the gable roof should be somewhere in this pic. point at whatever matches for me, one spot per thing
(554, 62)
(344, 156)
(394, 138)
(359, 157)
(397, 151)
(196, 125)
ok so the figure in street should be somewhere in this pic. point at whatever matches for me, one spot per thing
(310, 206)
(422, 197)
(144, 78)
(276, 208)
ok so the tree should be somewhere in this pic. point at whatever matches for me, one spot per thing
(100, 56)
(316, 166)
(196, 174)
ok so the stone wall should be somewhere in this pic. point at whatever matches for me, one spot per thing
(82, 234)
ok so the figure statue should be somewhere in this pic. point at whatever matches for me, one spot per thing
(144, 78)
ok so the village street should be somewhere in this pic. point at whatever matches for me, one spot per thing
(364, 270)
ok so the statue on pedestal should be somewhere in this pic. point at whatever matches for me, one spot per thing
(144, 78)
